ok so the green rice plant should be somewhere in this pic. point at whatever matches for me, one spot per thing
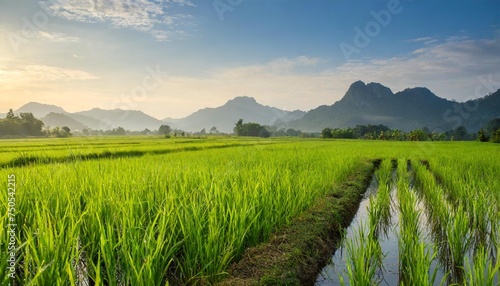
(364, 259)
(374, 217)
(184, 216)
(415, 258)
(408, 234)
(185, 209)
(479, 221)
(47, 254)
(459, 240)
(419, 264)
(483, 270)
(379, 209)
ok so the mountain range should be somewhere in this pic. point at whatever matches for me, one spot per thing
(407, 110)
(224, 117)
(362, 104)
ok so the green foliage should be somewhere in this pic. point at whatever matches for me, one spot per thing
(63, 132)
(482, 271)
(364, 258)
(492, 125)
(326, 133)
(251, 129)
(381, 132)
(481, 136)
(460, 133)
(23, 125)
(495, 136)
(417, 135)
(164, 130)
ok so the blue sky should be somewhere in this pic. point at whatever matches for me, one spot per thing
(170, 58)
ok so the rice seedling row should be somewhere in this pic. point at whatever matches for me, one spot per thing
(439, 240)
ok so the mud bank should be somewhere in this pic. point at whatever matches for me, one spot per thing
(296, 254)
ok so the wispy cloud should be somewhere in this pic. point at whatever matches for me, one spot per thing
(57, 37)
(40, 73)
(449, 69)
(278, 66)
(158, 18)
(425, 40)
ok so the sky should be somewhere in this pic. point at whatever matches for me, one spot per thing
(169, 58)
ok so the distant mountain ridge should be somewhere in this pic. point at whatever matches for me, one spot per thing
(129, 119)
(242, 107)
(96, 119)
(362, 104)
(223, 117)
(407, 110)
(39, 109)
(60, 119)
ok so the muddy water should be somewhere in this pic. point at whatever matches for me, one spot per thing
(389, 275)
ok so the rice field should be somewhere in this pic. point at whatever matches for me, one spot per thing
(438, 226)
(150, 211)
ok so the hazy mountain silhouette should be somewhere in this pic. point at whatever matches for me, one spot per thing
(96, 119)
(224, 117)
(39, 110)
(129, 119)
(90, 122)
(477, 112)
(59, 120)
(363, 103)
(409, 109)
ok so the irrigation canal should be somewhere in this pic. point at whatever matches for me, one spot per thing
(389, 273)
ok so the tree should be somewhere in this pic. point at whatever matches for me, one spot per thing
(62, 132)
(326, 133)
(214, 130)
(30, 125)
(396, 135)
(56, 132)
(418, 135)
(66, 129)
(250, 129)
(23, 125)
(481, 136)
(492, 126)
(495, 136)
(10, 114)
(203, 132)
(382, 136)
(119, 131)
(165, 130)
(438, 136)
(264, 133)
(460, 133)
(292, 132)
(238, 128)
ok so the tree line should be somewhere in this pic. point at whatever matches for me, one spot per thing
(23, 125)
(491, 132)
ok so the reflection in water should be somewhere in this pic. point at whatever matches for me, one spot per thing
(432, 233)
